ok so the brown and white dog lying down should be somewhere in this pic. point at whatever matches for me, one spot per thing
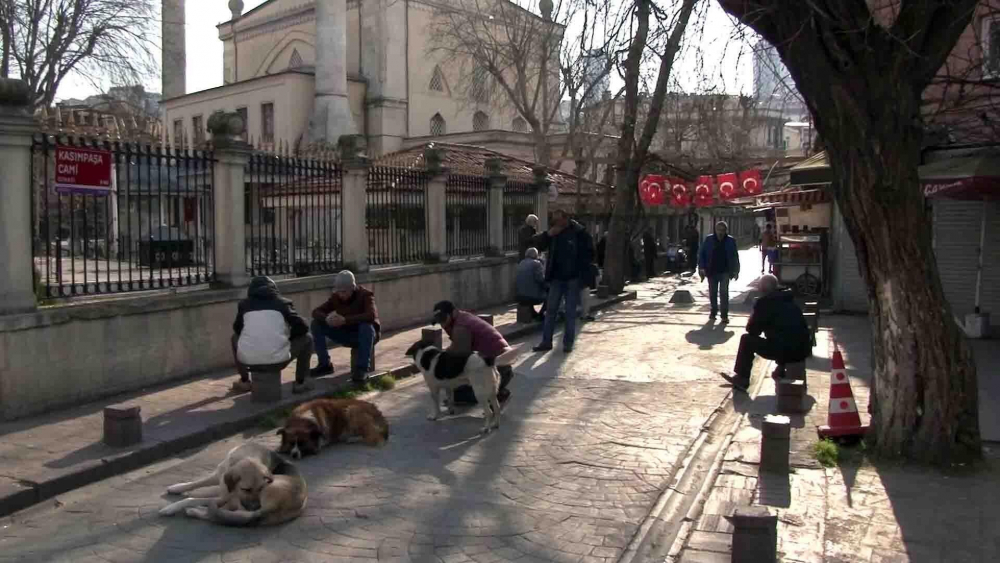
(447, 371)
(254, 486)
(321, 422)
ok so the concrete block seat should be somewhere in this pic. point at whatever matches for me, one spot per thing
(266, 382)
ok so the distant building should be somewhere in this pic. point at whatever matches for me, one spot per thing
(594, 63)
(773, 87)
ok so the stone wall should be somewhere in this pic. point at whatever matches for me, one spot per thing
(65, 355)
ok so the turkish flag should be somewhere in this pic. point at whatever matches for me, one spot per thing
(728, 185)
(651, 189)
(750, 181)
(679, 196)
(703, 191)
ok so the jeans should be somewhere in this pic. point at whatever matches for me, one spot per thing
(558, 290)
(718, 286)
(360, 336)
(751, 345)
(301, 351)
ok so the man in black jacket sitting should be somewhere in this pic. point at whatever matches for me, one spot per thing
(786, 333)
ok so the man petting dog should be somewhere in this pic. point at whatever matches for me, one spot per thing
(787, 336)
(269, 334)
(348, 318)
(468, 334)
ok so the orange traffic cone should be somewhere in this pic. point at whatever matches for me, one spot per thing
(842, 417)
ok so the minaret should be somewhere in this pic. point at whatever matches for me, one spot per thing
(174, 73)
(331, 116)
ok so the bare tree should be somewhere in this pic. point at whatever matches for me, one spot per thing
(101, 40)
(660, 42)
(863, 74)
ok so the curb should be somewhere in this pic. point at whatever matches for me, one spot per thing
(37, 492)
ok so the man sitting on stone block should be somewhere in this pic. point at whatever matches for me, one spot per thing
(349, 318)
(529, 284)
(786, 334)
(269, 333)
(468, 334)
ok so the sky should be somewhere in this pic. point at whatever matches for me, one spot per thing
(720, 57)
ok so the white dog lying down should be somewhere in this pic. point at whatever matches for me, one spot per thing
(254, 486)
(445, 370)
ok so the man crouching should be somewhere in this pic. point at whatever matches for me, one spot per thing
(787, 337)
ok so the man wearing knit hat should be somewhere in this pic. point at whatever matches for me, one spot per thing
(349, 318)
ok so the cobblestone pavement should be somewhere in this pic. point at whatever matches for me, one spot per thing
(585, 448)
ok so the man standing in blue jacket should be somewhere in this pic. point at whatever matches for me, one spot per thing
(719, 261)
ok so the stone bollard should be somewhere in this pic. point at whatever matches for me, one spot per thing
(525, 314)
(775, 443)
(795, 370)
(487, 318)
(682, 296)
(791, 396)
(122, 425)
(603, 291)
(266, 386)
(755, 535)
(433, 336)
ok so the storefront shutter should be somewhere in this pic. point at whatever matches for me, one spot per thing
(956, 246)
(849, 291)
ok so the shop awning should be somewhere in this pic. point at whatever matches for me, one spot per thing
(973, 177)
(792, 197)
(812, 171)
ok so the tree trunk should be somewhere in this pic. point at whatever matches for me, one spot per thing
(543, 152)
(924, 393)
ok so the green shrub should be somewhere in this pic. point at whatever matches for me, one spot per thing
(826, 453)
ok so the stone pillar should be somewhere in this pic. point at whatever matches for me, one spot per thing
(755, 535)
(383, 64)
(542, 184)
(174, 75)
(775, 444)
(331, 117)
(494, 209)
(354, 202)
(437, 224)
(231, 156)
(17, 292)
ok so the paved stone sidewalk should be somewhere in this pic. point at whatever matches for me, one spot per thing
(856, 511)
(586, 446)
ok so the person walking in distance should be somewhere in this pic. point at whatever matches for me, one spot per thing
(786, 334)
(571, 251)
(691, 241)
(719, 261)
(649, 251)
(525, 235)
(768, 248)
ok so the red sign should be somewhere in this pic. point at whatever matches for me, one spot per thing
(81, 169)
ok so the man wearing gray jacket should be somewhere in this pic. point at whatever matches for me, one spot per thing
(529, 286)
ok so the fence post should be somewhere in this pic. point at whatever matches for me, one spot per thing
(542, 184)
(355, 202)
(435, 214)
(17, 292)
(231, 156)
(494, 207)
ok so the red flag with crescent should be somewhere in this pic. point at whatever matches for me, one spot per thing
(704, 191)
(728, 185)
(679, 193)
(651, 189)
(750, 182)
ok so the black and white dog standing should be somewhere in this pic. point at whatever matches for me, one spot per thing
(447, 371)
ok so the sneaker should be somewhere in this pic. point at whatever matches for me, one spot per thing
(321, 370)
(542, 348)
(725, 320)
(241, 387)
(303, 387)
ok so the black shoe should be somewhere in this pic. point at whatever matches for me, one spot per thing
(712, 317)
(567, 349)
(359, 377)
(321, 370)
(737, 382)
(725, 320)
(542, 348)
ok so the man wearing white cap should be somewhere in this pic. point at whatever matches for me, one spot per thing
(349, 318)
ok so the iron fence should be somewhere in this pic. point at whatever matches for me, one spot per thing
(518, 203)
(395, 216)
(114, 216)
(467, 215)
(293, 215)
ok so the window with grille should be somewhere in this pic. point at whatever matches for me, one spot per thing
(480, 85)
(437, 80)
(991, 47)
(199, 130)
(178, 132)
(480, 121)
(438, 126)
(296, 60)
(520, 125)
(267, 122)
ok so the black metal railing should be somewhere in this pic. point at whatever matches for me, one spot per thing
(113, 216)
(518, 203)
(467, 215)
(395, 216)
(293, 215)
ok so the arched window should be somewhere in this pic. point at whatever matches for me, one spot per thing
(296, 60)
(520, 125)
(438, 126)
(480, 121)
(480, 85)
(437, 80)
